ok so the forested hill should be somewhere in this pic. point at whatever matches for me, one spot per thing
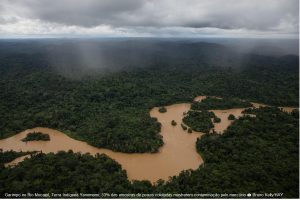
(60, 85)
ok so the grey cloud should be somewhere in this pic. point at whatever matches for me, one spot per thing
(6, 20)
(260, 15)
(85, 13)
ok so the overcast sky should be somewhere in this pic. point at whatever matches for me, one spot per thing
(149, 18)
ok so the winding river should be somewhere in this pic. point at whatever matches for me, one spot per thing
(178, 152)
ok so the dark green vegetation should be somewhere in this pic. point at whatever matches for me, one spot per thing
(217, 119)
(255, 154)
(162, 110)
(231, 117)
(211, 103)
(8, 156)
(190, 130)
(46, 83)
(173, 123)
(64, 172)
(199, 121)
(249, 111)
(183, 127)
(295, 113)
(36, 136)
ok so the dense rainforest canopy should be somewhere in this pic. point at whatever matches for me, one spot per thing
(8, 156)
(36, 136)
(255, 154)
(46, 83)
(42, 84)
(64, 172)
(199, 121)
(213, 103)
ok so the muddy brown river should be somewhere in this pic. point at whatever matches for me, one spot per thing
(178, 152)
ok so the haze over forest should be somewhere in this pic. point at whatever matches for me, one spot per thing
(77, 57)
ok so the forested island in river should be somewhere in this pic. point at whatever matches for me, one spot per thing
(126, 97)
